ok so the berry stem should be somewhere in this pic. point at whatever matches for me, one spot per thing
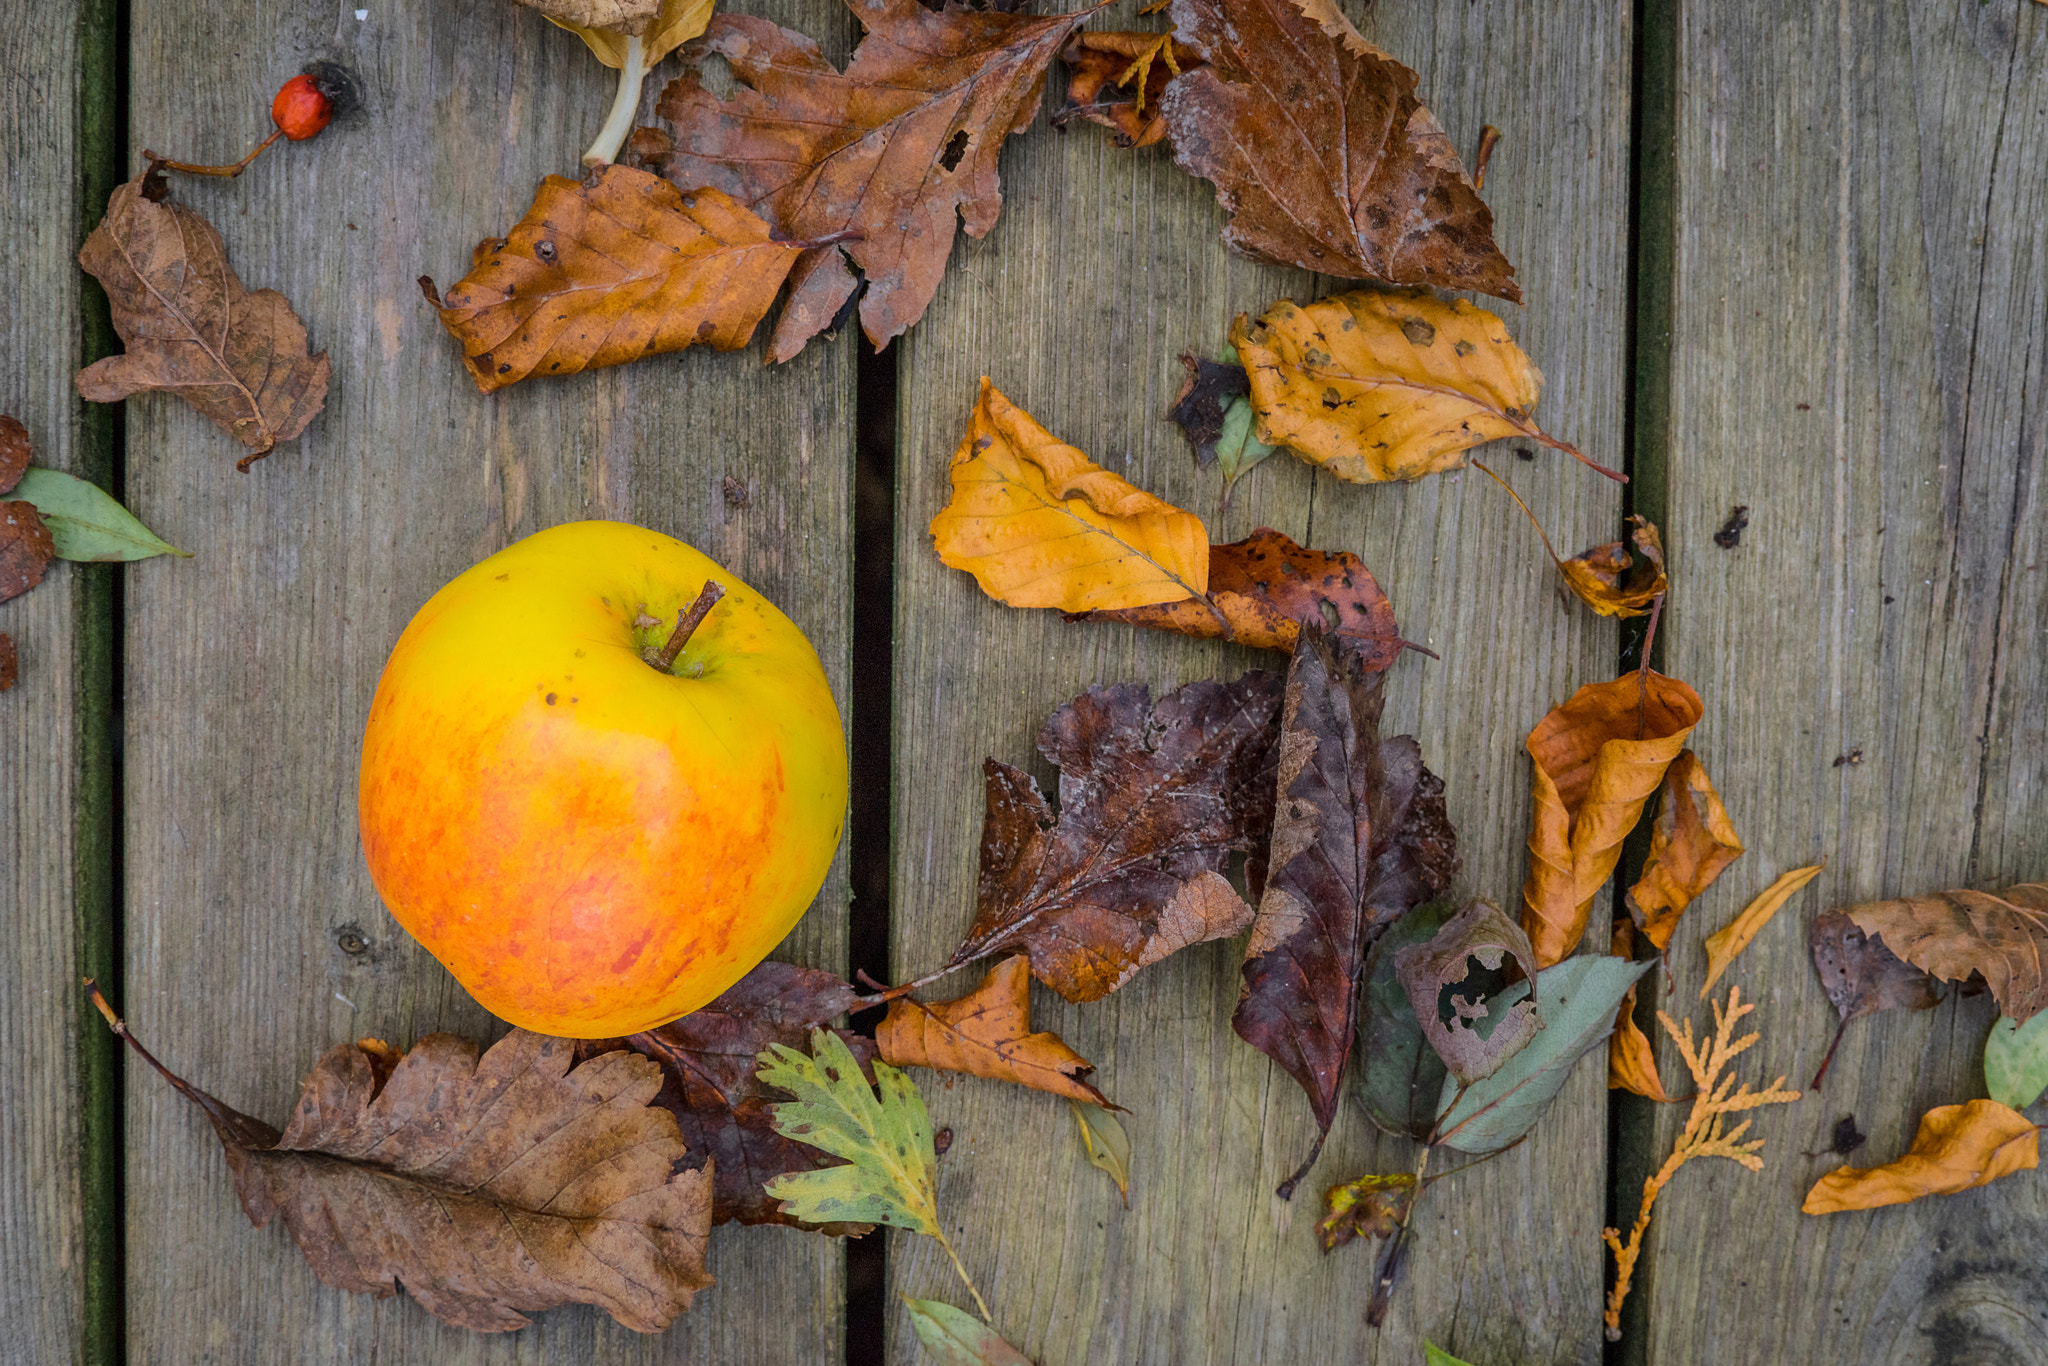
(233, 170)
(687, 621)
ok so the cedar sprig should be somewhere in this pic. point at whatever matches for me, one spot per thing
(1715, 1098)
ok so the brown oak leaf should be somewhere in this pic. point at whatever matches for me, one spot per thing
(608, 270)
(1426, 971)
(987, 1033)
(1691, 842)
(14, 451)
(1861, 976)
(2003, 938)
(1118, 78)
(1320, 151)
(26, 548)
(890, 153)
(192, 329)
(1958, 1148)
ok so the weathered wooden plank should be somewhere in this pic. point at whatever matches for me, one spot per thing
(1862, 320)
(1105, 265)
(251, 666)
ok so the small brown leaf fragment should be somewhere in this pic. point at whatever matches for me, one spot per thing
(1958, 1148)
(1611, 581)
(1203, 398)
(1631, 1061)
(1691, 843)
(1427, 971)
(1117, 80)
(610, 269)
(10, 662)
(1370, 1207)
(14, 451)
(2002, 938)
(1321, 152)
(1489, 138)
(26, 548)
(986, 1033)
(1849, 758)
(1730, 534)
(1731, 939)
(192, 329)
(1847, 1139)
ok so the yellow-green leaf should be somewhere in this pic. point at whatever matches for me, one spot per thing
(1108, 1146)
(882, 1131)
(955, 1337)
(85, 523)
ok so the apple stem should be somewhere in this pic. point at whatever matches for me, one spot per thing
(686, 624)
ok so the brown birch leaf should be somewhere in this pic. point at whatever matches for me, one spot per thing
(1691, 842)
(1614, 583)
(1321, 152)
(14, 451)
(26, 548)
(710, 1083)
(1153, 800)
(1731, 939)
(1631, 1061)
(1117, 79)
(1262, 588)
(193, 330)
(1958, 1148)
(1428, 970)
(986, 1033)
(1598, 758)
(2003, 938)
(607, 270)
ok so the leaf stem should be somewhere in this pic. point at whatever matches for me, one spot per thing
(1390, 1265)
(234, 169)
(979, 1302)
(625, 104)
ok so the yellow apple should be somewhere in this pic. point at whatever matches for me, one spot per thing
(591, 842)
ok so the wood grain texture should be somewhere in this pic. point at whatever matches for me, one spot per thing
(1860, 351)
(251, 666)
(1105, 265)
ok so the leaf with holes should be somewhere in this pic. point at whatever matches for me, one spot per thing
(1479, 933)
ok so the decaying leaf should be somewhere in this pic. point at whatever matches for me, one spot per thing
(1153, 800)
(1958, 1148)
(15, 448)
(1039, 524)
(1370, 1207)
(1320, 151)
(85, 523)
(192, 329)
(987, 1033)
(26, 548)
(1427, 972)
(10, 662)
(2002, 938)
(1861, 976)
(1107, 1145)
(1731, 939)
(2015, 1060)
(610, 269)
(1208, 392)
(1118, 78)
(1631, 1061)
(1846, 1139)
(1262, 588)
(885, 157)
(1401, 1077)
(1598, 758)
(1691, 842)
(1382, 385)
(955, 1337)
(1614, 583)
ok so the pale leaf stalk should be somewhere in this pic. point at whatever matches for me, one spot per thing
(979, 1302)
(611, 137)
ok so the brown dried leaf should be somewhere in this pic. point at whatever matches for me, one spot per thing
(2002, 938)
(1152, 802)
(986, 1033)
(192, 329)
(709, 1062)
(890, 153)
(1731, 939)
(14, 452)
(1860, 975)
(10, 662)
(1691, 843)
(1118, 79)
(608, 270)
(1321, 153)
(1265, 586)
(1958, 1148)
(1598, 759)
(1371, 1207)
(627, 16)
(26, 548)
(1611, 581)
(1631, 1061)
(1427, 970)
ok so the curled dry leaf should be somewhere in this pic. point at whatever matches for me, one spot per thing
(1153, 800)
(1427, 971)
(1262, 588)
(1117, 80)
(14, 451)
(1320, 151)
(607, 270)
(2002, 938)
(987, 1033)
(26, 548)
(1039, 524)
(1598, 758)
(1370, 1207)
(1691, 843)
(1614, 583)
(1731, 939)
(1958, 1148)
(1107, 1145)
(1631, 1061)
(192, 329)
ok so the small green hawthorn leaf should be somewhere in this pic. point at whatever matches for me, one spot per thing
(955, 1337)
(84, 522)
(2016, 1061)
(1107, 1145)
(1433, 1355)
(887, 1139)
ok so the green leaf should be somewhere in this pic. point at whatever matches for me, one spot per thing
(1576, 1000)
(84, 522)
(1403, 1077)
(1107, 1145)
(1239, 447)
(955, 1337)
(1433, 1355)
(886, 1139)
(2016, 1061)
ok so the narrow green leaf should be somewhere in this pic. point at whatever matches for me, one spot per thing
(1107, 1145)
(1433, 1355)
(84, 522)
(1403, 1078)
(886, 1138)
(955, 1337)
(2016, 1061)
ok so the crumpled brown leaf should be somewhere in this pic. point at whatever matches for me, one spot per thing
(1427, 970)
(192, 329)
(14, 451)
(1958, 1148)
(1631, 1061)
(1265, 586)
(1692, 842)
(1726, 943)
(1598, 757)
(891, 153)
(610, 269)
(26, 548)
(2002, 938)
(1117, 79)
(1321, 153)
(1369, 1207)
(1153, 800)
(986, 1033)
(709, 1061)
(1614, 583)
(1205, 394)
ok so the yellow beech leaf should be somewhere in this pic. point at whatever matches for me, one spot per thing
(1958, 1148)
(1374, 386)
(1691, 843)
(1039, 524)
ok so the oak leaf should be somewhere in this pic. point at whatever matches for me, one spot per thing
(2003, 938)
(1691, 842)
(1262, 588)
(1377, 385)
(608, 270)
(1039, 524)
(1371, 1207)
(1426, 971)
(26, 548)
(890, 153)
(1731, 939)
(192, 329)
(1137, 64)
(986, 1033)
(1958, 1148)
(1321, 152)
(14, 451)
(1598, 758)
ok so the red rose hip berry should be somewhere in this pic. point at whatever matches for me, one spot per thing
(301, 108)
